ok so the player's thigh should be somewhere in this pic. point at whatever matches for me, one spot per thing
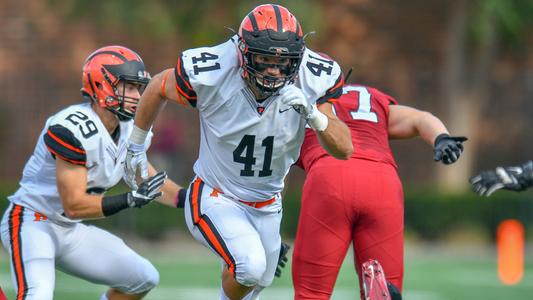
(101, 257)
(224, 226)
(379, 231)
(31, 250)
(267, 222)
(324, 234)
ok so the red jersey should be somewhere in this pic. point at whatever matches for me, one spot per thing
(365, 111)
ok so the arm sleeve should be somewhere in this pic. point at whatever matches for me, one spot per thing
(62, 143)
(183, 85)
(334, 92)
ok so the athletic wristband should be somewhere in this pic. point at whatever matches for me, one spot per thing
(439, 138)
(317, 120)
(113, 204)
(138, 136)
(180, 198)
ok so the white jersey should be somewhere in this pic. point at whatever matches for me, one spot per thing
(246, 147)
(75, 134)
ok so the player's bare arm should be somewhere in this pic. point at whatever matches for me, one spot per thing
(406, 122)
(72, 187)
(154, 98)
(77, 204)
(336, 138)
(152, 101)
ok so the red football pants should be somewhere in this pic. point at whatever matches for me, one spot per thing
(344, 201)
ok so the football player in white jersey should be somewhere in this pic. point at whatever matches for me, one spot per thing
(78, 156)
(254, 94)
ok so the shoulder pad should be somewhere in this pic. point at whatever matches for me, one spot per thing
(320, 77)
(62, 143)
(382, 97)
(78, 119)
(201, 68)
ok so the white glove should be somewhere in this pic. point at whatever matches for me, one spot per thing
(293, 96)
(136, 158)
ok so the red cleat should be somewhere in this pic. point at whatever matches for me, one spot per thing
(375, 284)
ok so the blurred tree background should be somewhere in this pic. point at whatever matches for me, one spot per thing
(468, 62)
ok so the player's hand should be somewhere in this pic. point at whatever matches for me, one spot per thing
(448, 148)
(293, 96)
(148, 190)
(516, 178)
(282, 261)
(135, 159)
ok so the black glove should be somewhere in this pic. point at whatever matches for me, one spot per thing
(448, 148)
(148, 190)
(282, 261)
(516, 178)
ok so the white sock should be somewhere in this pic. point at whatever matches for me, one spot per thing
(254, 294)
(104, 296)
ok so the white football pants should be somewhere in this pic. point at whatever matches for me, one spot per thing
(246, 238)
(37, 246)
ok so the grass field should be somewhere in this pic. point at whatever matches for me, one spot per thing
(431, 273)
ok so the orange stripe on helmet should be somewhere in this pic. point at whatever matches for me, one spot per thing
(271, 17)
(16, 251)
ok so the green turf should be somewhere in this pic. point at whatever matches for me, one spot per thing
(431, 273)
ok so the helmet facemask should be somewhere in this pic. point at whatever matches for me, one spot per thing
(255, 64)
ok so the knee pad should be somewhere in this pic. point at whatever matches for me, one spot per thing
(148, 278)
(251, 270)
(394, 292)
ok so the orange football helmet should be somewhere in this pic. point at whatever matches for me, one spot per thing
(270, 30)
(104, 69)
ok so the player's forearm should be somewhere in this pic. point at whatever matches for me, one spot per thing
(83, 206)
(429, 127)
(336, 139)
(170, 193)
(170, 189)
(150, 104)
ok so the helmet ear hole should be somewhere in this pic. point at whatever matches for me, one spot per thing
(99, 85)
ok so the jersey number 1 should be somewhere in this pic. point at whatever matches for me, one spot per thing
(364, 111)
(247, 145)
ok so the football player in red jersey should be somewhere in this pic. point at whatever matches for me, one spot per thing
(360, 200)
